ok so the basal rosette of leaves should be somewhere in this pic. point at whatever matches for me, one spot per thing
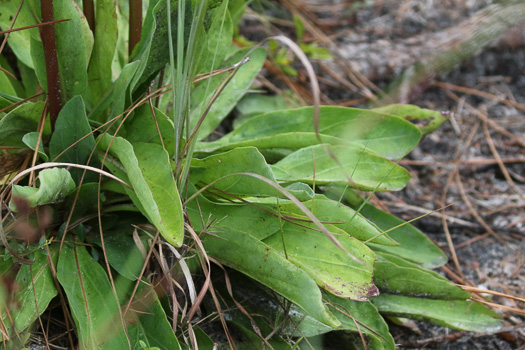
(278, 206)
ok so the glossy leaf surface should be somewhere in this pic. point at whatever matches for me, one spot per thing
(149, 172)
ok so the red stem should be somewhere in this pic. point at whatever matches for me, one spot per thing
(89, 12)
(47, 34)
(135, 23)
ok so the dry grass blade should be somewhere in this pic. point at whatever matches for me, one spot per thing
(139, 278)
(207, 272)
(53, 164)
(500, 162)
(480, 290)
(316, 91)
(479, 93)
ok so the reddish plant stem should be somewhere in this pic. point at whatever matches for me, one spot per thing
(135, 23)
(47, 34)
(89, 12)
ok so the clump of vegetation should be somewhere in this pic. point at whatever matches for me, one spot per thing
(124, 226)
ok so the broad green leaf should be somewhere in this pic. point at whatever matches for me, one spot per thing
(38, 58)
(332, 269)
(72, 140)
(149, 172)
(414, 245)
(31, 139)
(55, 185)
(18, 91)
(106, 35)
(341, 216)
(6, 88)
(120, 90)
(18, 41)
(28, 78)
(239, 160)
(229, 97)
(74, 42)
(301, 191)
(218, 39)
(144, 127)
(146, 320)
(368, 319)
(153, 49)
(87, 201)
(122, 252)
(241, 218)
(264, 264)
(425, 119)
(94, 307)
(35, 284)
(20, 121)
(456, 314)
(254, 104)
(358, 169)
(383, 135)
(392, 278)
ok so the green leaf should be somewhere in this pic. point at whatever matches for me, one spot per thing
(153, 49)
(218, 39)
(122, 252)
(341, 216)
(143, 128)
(74, 42)
(38, 58)
(6, 88)
(239, 160)
(146, 320)
(73, 136)
(55, 185)
(35, 284)
(412, 281)
(370, 322)
(155, 192)
(364, 170)
(383, 135)
(251, 340)
(299, 28)
(229, 97)
(20, 121)
(31, 139)
(368, 319)
(332, 269)
(18, 41)
(414, 245)
(106, 35)
(426, 120)
(254, 104)
(241, 218)
(87, 201)
(94, 307)
(456, 314)
(264, 264)
(301, 325)
(120, 90)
